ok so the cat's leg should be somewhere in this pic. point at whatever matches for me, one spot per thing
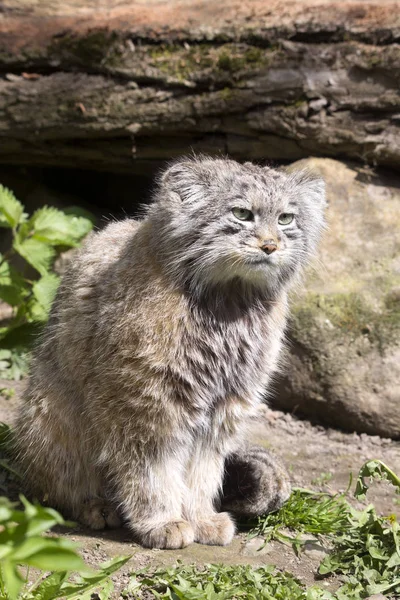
(204, 477)
(150, 487)
(255, 483)
(55, 468)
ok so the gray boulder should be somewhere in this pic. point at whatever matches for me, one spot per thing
(343, 364)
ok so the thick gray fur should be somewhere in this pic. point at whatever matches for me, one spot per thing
(161, 344)
(255, 482)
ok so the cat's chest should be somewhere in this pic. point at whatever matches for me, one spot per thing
(224, 359)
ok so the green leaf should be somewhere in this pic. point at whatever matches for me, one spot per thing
(81, 226)
(41, 518)
(382, 587)
(85, 594)
(133, 586)
(5, 275)
(55, 559)
(13, 288)
(38, 254)
(78, 211)
(49, 588)
(55, 227)
(35, 312)
(12, 579)
(106, 590)
(45, 290)
(91, 580)
(5, 503)
(394, 560)
(13, 364)
(48, 554)
(5, 513)
(376, 553)
(11, 210)
(378, 470)
(12, 295)
(5, 358)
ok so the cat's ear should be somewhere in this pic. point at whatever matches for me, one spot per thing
(185, 179)
(312, 186)
(317, 190)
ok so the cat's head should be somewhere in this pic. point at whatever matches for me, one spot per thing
(218, 221)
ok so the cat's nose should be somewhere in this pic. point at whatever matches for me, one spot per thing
(269, 246)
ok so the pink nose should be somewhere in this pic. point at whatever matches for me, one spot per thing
(269, 246)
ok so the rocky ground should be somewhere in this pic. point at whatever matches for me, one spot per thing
(316, 457)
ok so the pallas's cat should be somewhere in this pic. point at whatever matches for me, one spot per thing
(160, 348)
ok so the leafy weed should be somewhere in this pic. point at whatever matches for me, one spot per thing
(22, 544)
(221, 582)
(31, 288)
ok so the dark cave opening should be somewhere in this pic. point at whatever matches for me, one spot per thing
(107, 195)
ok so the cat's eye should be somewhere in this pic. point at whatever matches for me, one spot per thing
(243, 214)
(285, 218)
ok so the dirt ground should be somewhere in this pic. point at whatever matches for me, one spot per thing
(317, 458)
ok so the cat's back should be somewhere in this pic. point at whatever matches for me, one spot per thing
(103, 248)
(71, 329)
(93, 265)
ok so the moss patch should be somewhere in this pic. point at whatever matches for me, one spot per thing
(347, 315)
(231, 59)
(185, 62)
(103, 49)
(97, 48)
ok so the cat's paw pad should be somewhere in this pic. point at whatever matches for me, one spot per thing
(97, 513)
(172, 535)
(216, 530)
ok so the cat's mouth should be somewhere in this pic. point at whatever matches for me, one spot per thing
(263, 259)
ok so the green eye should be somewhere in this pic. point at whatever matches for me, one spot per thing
(285, 218)
(243, 214)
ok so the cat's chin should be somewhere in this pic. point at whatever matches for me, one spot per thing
(262, 272)
(261, 266)
(258, 271)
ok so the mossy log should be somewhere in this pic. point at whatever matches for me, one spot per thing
(119, 87)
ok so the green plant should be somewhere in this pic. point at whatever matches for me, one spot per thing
(364, 547)
(305, 512)
(221, 582)
(30, 287)
(368, 549)
(23, 545)
(13, 364)
(374, 469)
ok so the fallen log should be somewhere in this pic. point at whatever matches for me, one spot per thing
(120, 87)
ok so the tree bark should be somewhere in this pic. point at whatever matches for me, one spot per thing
(119, 87)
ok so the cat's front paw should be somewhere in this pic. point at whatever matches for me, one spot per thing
(216, 530)
(256, 482)
(172, 535)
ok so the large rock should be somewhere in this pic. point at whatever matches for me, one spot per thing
(344, 358)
